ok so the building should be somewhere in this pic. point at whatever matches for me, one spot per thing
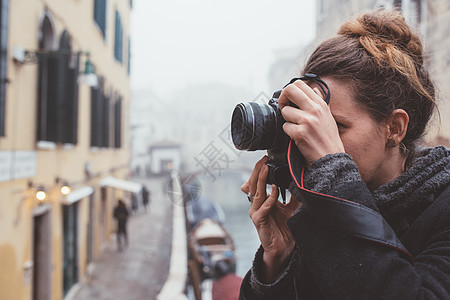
(165, 156)
(64, 153)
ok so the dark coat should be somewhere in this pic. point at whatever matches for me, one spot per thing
(329, 263)
(121, 215)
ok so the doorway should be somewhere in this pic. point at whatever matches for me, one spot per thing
(42, 253)
(70, 254)
(90, 231)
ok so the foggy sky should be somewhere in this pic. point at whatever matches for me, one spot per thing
(178, 43)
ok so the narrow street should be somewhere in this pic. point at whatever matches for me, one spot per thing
(139, 271)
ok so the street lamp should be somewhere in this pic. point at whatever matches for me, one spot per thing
(87, 77)
(65, 189)
(41, 194)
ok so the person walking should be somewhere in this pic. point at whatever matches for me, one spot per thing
(121, 215)
(146, 197)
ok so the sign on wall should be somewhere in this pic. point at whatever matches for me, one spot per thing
(17, 164)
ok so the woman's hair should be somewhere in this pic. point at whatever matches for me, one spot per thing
(381, 59)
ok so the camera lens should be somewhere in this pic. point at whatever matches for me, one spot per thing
(254, 126)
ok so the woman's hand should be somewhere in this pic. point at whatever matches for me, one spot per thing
(270, 219)
(312, 125)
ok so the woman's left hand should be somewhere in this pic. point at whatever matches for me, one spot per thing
(312, 125)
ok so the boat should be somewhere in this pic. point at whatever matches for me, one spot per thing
(212, 249)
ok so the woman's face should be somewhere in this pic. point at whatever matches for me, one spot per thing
(364, 139)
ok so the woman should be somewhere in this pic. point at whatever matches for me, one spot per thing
(372, 220)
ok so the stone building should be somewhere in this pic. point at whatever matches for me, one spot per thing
(64, 95)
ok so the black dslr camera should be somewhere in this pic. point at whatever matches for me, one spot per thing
(257, 126)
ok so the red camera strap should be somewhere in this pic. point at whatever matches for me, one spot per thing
(348, 216)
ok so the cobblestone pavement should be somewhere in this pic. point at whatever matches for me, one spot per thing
(139, 271)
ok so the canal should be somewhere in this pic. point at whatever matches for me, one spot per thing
(225, 191)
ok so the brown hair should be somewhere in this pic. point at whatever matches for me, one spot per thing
(381, 59)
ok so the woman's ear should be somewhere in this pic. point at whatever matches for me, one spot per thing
(398, 125)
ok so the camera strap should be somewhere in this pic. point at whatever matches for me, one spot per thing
(323, 86)
(338, 213)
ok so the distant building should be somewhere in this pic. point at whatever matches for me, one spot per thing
(197, 117)
(165, 156)
(61, 133)
(146, 116)
(288, 64)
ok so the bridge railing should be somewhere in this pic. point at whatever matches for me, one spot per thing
(175, 286)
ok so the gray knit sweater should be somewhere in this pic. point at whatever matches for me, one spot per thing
(430, 173)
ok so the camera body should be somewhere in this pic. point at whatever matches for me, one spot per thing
(256, 126)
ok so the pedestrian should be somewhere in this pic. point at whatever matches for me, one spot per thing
(134, 203)
(121, 215)
(369, 216)
(146, 197)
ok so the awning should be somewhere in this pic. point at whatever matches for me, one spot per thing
(77, 195)
(122, 184)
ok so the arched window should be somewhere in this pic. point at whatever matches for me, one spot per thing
(69, 91)
(58, 92)
(47, 66)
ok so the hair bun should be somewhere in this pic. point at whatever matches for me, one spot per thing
(380, 29)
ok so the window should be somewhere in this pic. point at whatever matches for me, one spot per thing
(47, 68)
(416, 11)
(4, 22)
(322, 10)
(106, 118)
(100, 111)
(100, 15)
(58, 94)
(118, 123)
(129, 56)
(118, 39)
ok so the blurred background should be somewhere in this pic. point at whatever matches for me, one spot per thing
(103, 99)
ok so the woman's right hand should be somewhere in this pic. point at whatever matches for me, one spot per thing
(270, 219)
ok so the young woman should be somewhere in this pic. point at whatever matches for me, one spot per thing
(371, 214)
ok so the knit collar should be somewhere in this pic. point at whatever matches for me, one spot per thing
(430, 172)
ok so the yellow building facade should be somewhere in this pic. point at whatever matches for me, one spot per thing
(59, 129)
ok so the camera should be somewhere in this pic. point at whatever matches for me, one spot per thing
(256, 126)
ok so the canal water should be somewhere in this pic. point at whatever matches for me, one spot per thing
(225, 191)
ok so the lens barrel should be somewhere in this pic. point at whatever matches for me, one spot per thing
(254, 126)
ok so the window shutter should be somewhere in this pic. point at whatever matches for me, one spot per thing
(105, 128)
(118, 123)
(4, 22)
(100, 15)
(50, 106)
(97, 115)
(70, 102)
(94, 116)
(129, 56)
(118, 38)
(47, 98)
